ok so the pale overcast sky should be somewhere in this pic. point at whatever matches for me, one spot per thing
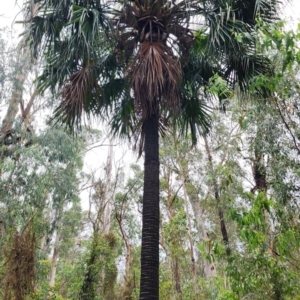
(9, 11)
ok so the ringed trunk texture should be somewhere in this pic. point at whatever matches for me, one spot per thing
(149, 288)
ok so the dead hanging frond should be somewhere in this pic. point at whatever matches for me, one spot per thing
(77, 94)
(19, 277)
(155, 77)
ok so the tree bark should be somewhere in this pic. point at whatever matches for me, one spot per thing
(191, 197)
(209, 267)
(149, 288)
(128, 287)
(218, 200)
(21, 73)
(52, 274)
(109, 195)
(189, 223)
(174, 256)
(259, 176)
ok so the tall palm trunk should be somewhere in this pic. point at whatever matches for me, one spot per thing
(149, 288)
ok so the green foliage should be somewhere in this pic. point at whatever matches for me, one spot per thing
(101, 259)
(40, 181)
(19, 261)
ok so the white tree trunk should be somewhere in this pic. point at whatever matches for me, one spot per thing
(109, 192)
(53, 269)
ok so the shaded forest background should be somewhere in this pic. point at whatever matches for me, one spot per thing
(229, 205)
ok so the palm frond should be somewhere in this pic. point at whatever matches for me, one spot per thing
(194, 115)
(194, 118)
(57, 21)
(241, 69)
(124, 120)
(81, 93)
(267, 9)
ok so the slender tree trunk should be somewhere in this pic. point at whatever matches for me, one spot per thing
(177, 277)
(2, 229)
(174, 256)
(149, 288)
(88, 288)
(22, 69)
(259, 175)
(54, 260)
(218, 200)
(128, 260)
(186, 207)
(109, 194)
(129, 284)
(209, 267)
(191, 197)
(259, 172)
(128, 287)
(190, 227)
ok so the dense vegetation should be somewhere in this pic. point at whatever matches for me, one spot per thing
(229, 205)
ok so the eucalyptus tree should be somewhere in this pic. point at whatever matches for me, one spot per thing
(39, 188)
(141, 65)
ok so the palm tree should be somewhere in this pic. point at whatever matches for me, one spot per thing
(142, 65)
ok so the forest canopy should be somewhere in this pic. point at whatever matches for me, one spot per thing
(221, 107)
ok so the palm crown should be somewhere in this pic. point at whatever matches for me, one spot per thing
(98, 53)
